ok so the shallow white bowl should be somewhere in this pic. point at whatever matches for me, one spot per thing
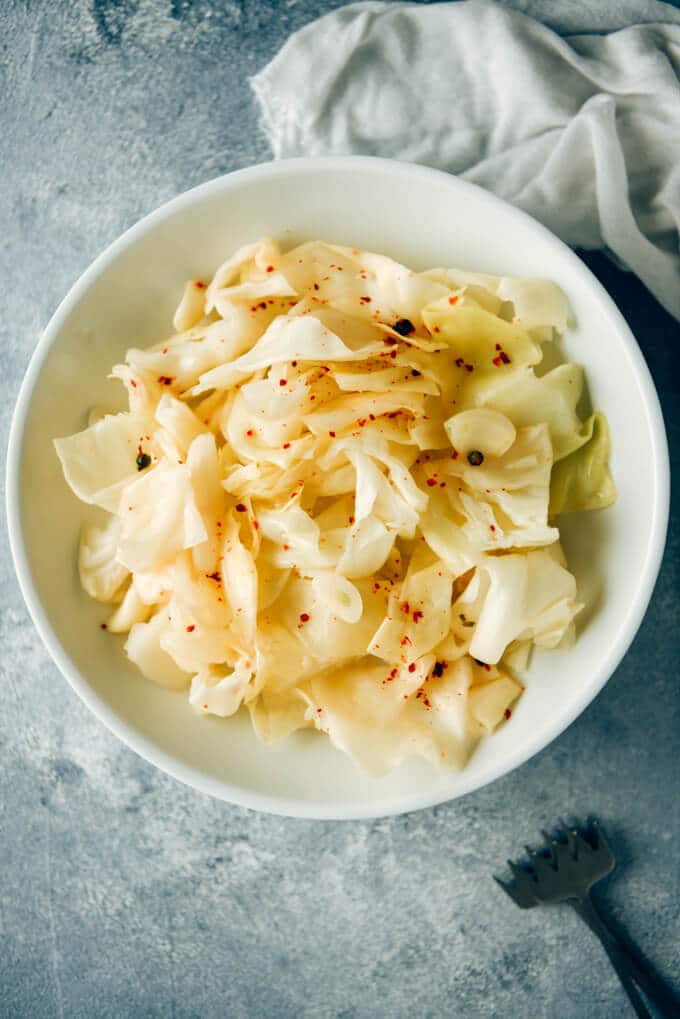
(423, 218)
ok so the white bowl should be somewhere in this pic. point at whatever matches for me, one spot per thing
(423, 218)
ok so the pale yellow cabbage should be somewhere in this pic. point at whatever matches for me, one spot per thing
(329, 501)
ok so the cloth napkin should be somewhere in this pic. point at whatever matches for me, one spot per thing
(580, 130)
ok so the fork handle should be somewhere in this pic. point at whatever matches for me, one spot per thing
(631, 967)
(586, 910)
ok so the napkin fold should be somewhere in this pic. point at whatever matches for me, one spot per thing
(582, 131)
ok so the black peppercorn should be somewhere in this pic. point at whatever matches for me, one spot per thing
(404, 327)
(143, 460)
(475, 458)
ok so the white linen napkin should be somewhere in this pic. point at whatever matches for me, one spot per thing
(581, 131)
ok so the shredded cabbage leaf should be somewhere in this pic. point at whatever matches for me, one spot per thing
(333, 499)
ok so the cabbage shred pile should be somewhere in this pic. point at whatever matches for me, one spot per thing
(333, 499)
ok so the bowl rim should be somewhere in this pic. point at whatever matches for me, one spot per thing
(192, 776)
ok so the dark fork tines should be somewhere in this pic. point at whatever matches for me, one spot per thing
(566, 866)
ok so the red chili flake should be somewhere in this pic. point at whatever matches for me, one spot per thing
(504, 357)
(294, 364)
(442, 484)
(286, 548)
(469, 368)
(393, 353)
(426, 702)
(103, 626)
(256, 525)
(351, 520)
(365, 300)
(319, 710)
(190, 629)
(164, 350)
(205, 707)
(332, 435)
(316, 286)
(282, 382)
(270, 268)
(498, 346)
(431, 482)
(201, 286)
(240, 508)
(250, 433)
(216, 576)
(286, 445)
(390, 341)
(405, 640)
(459, 362)
(253, 307)
(361, 422)
(437, 329)
(405, 607)
(304, 617)
(492, 527)
(412, 667)
(417, 616)
(372, 417)
(165, 380)
(263, 305)
(133, 383)
(507, 713)
(454, 454)
(453, 300)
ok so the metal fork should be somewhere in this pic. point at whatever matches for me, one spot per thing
(565, 869)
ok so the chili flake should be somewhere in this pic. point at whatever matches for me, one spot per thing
(165, 380)
(190, 629)
(304, 617)
(240, 508)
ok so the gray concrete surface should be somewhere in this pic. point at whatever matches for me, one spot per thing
(124, 894)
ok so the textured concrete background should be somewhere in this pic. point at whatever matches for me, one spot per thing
(124, 894)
